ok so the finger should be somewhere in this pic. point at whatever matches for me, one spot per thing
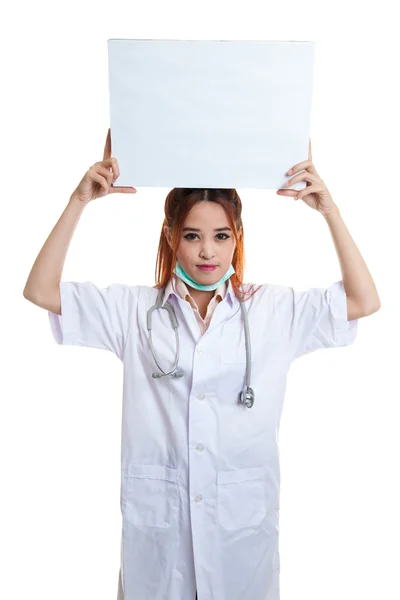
(309, 149)
(122, 190)
(282, 192)
(107, 174)
(309, 190)
(107, 147)
(100, 180)
(305, 175)
(111, 163)
(115, 167)
(108, 162)
(299, 167)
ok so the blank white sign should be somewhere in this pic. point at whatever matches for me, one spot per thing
(209, 114)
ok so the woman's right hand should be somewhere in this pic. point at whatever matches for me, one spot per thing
(99, 179)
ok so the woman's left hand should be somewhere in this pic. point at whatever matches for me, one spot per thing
(316, 194)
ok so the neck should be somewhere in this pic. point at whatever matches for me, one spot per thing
(201, 297)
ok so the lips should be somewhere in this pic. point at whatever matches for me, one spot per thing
(207, 267)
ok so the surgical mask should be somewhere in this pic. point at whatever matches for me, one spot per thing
(180, 272)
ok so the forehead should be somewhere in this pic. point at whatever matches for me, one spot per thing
(206, 211)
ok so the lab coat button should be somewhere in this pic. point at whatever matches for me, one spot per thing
(198, 498)
(201, 396)
(199, 349)
(199, 448)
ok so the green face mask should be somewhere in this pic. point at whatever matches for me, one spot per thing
(200, 286)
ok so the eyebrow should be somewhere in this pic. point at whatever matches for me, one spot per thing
(194, 229)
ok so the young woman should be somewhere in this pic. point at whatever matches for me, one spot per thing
(204, 383)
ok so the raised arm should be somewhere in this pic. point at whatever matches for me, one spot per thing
(42, 286)
(43, 283)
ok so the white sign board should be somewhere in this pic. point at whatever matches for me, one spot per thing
(209, 114)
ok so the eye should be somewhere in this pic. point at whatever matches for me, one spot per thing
(221, 239)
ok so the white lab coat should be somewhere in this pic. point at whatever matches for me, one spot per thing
(200, 478)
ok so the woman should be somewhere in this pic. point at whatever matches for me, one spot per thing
(200, 473)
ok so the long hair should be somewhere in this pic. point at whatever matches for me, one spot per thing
(178, 204)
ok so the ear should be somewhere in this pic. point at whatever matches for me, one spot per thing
(167, 234)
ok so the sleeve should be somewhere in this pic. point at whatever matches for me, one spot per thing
(314, 319)
(92, 316)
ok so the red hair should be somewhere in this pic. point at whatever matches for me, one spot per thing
(178, 204)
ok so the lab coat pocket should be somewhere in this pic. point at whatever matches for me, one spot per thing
(151, 495)
(241, 497)
(233, 340)
(233, 348)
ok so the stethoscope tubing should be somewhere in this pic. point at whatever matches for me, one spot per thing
(246, 397)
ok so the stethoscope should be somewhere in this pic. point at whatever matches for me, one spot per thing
(246, 397)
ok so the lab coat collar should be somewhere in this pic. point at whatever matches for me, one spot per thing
(229, 293)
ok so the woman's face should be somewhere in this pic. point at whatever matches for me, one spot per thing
(201, 243)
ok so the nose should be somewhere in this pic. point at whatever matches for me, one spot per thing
(206, 255)
(207, 251)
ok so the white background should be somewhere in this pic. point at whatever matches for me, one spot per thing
(61, 406)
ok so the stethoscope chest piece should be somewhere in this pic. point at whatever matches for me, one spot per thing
(247, 397)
